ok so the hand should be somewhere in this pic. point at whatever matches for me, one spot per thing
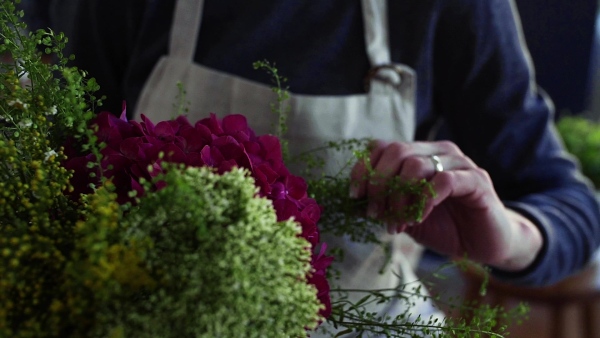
(465, 217)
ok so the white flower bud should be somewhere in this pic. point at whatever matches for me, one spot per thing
(48, 154)
(26, 123)
(52, 111)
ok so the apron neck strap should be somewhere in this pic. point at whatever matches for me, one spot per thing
(188, 16)
(376, 31)
(185, 28)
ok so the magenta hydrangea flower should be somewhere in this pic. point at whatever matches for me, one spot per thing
(135, 150)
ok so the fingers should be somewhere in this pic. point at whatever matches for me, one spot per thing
(408, 162)
(472, 187)
(418, 167)
(359, 175)
(386, 168)
(385, 162)
(413, 158)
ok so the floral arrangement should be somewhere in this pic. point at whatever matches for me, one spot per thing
(101, 237)
(117, 228)
(135, 152)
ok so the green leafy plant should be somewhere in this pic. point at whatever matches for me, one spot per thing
(582, 139)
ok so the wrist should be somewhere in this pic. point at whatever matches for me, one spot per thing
(524, 244)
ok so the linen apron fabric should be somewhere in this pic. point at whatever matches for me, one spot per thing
(385, 112)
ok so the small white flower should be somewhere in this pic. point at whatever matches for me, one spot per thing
(18, 104)
(49, 154)
(52, 111)
(26, 123)
(14, 102)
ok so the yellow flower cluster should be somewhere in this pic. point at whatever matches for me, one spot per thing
(55, 250)
(30, 264)
(104, 257)
(35, 237)
(33, 178)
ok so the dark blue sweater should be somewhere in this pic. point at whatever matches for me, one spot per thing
(472, 72)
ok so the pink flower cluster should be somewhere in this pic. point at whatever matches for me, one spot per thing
(133, 148)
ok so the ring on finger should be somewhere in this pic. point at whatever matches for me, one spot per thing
(437, 163)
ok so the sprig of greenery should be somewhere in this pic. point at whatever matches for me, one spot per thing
(280, 107)
(342, 215)
(476, 319)
(37, 113)
(346, 216)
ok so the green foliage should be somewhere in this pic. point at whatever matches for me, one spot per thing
(228, 252)
(475, 319)
(168, 270)
(280, 107)
(37, 112)
(40, 105)
(163, 269)
(344, 215)
(582, 139)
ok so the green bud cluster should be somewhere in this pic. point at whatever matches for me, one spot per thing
(226, 255)
(222, 268)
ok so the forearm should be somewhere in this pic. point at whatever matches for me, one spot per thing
(524, 244)
(568, 221)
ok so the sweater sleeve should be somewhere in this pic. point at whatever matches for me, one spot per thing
(486, 92)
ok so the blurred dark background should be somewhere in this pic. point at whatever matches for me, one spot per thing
(561, 38)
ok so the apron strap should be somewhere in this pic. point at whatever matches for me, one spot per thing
(185, 29)
(376, 31)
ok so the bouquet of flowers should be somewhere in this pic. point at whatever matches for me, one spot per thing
(110, 240)
(117, 228)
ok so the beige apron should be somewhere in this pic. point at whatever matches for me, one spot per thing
(385, 112)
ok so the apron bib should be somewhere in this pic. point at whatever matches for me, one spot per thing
(386, 112)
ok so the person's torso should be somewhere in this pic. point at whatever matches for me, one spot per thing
(319, 47)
